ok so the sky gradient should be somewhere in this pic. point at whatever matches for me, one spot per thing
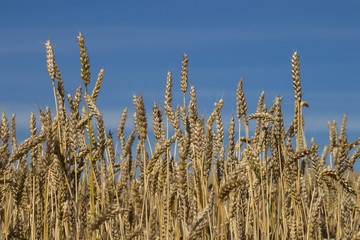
(138, 42)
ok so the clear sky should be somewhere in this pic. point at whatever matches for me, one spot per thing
(137, 42)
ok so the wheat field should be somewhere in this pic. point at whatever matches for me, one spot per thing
(187, 178)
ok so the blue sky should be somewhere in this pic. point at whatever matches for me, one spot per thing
(137, 42)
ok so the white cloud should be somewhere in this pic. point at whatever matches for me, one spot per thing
(115, 38)
(318, 122)
(22, 113)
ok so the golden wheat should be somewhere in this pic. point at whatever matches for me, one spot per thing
(71, 180)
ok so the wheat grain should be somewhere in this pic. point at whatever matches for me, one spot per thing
(184, 73)
(241, 107)
(295, 64)
(98, 83)
(84, 61)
